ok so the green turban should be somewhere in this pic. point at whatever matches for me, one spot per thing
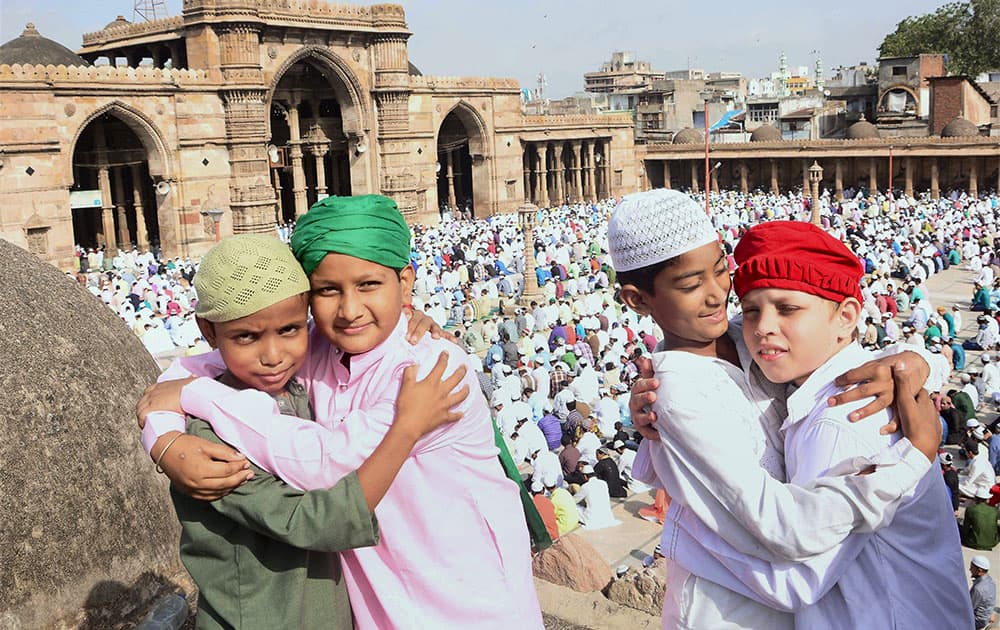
(369, 227)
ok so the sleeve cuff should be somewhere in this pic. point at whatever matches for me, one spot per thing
(159, 423)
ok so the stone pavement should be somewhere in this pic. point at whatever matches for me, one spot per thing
(635, 538)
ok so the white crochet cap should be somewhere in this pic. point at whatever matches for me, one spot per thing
(982, 562)
(652, 226)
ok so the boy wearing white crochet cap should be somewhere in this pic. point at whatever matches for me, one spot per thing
(262, 555)
(719, 455)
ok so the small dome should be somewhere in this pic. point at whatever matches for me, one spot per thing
(765, 133)
(959, 128)
(862, 130)
(119, 21)
(688, 136)
(33, 49)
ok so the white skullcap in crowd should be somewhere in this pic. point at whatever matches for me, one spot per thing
(652, 226)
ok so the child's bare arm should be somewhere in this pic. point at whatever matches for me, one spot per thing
(875, 379)
(422, 406)
(199, 468)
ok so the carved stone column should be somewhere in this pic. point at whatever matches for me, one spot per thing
(124, 237)
(141, 233)
(107, 209)
(694, 176)
(577, 146)
(560, 173)
(973, 178)
(295, 153)
(450, 175)
(838, 179)
(806, 186)
(666, 174)
(744, 186)
(591, 173)
(542, 175)
(908, 178)
(774, 177)
(872, 176)
(935, 182)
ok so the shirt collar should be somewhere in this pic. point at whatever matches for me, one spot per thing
(819, 385)
(359, 363)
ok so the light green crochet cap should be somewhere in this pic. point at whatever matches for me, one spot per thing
(244, 274)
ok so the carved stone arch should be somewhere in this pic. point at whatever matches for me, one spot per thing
(147, 132)
(475, 127)
(353, 106)
(892, 88)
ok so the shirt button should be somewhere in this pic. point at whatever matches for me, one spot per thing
(342, 386)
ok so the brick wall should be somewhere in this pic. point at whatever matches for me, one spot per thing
(946, 102)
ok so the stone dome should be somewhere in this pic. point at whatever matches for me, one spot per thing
(119, 21)
(765, 133)
(688, 135)
(862, 130)
(959, 128)
(33, 49)
(88, 526)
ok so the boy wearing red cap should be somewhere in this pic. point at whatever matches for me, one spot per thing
(670, 266)
(801, 300)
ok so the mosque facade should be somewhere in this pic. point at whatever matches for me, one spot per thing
(237, 115)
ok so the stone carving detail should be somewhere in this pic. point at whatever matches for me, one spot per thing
(69, 109)
(393, 112)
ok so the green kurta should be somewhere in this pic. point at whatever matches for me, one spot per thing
(261, 555)
(979, 527)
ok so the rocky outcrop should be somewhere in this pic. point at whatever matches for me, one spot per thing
(641, 589)
(89, 536)
(572, 562)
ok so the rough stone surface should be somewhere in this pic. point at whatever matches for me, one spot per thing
(89, 536)
(566, 609)
(572, 562)
(641, 589)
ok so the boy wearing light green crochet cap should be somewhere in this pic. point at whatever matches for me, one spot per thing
(262, 555)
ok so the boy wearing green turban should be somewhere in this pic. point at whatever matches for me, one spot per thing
(262, 556)
(455, 551)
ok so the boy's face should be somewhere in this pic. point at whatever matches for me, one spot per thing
(263, 350)
(357, 303)
(689, 298)
(791, 333)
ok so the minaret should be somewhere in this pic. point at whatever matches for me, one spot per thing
(782, 75)
(819, 74)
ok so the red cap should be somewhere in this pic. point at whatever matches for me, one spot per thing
(799, 257)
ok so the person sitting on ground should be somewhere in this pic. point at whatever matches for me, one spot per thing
(983, 592)
(545, 508)
(979, 474)
(595, 513)
(567, 515)
(979, 525)
(607, 470)
(950, 475)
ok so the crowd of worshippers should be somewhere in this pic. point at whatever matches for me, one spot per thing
(557, 370)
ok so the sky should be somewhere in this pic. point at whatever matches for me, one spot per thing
(565, 38)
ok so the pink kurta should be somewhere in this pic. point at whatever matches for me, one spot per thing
(454, 550)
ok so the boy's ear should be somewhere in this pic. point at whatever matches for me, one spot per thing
(636, 299)
(847, 315)
(207, 329)
(406, 278)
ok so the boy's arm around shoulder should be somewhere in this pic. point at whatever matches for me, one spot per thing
(703, 460)
(331, 519)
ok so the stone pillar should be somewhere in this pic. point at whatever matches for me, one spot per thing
(319, 152)
(806, 186)
(175, 55)
(774, 177)
(577, 170)
(872, 176)
(591, 173)
(973, 178)
(935, 183)
(560, 173)
(744, 185)
(714, 179)
(666, 174)
(141, 233)
(295, 152)
(908, 179)
(838, 179)
(694, 176)
(450, 175)
(107, 209)
(543, 176)
(124, 237)
(526, 164)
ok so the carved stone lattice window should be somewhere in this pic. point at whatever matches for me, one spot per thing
(38, 240)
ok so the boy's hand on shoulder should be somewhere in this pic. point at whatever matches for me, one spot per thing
(165, 396)
(876, 378)
(916, 411)
(201, 469)
(642, 397)
(419, 323)
(429, 403)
